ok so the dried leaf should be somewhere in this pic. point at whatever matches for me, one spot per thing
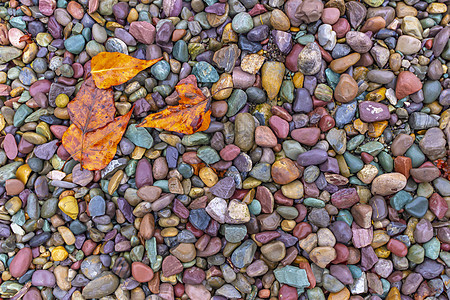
(94, 150)
(92, 108)
(114, 68)
(191, 115)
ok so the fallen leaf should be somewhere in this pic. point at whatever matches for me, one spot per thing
(95, 149)
(192, 114)
(114, 68)
(92, 108)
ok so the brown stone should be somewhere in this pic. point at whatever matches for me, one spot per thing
(341, 65)
(284, 171)
(346, 90)
(407, 84)
(141, 272)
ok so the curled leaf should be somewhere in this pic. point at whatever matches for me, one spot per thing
(192, 114)
(95, 149)
(114, 68)
(92, 108)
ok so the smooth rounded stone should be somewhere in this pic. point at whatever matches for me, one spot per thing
(341, 231)
(417, 207)
(407, 84)
(433, 144)
(358, 41)
(234, 233)
(43, 278)
(401, 144)
(379, 208)
(312, 157)
(185, 252)
(423, 231)
(244, 128)
(322, 256)
(258, 34)
(408, 45)
(21, 262)
(331, 283)
(272, 75)
(284, 171)
(103, 285)
(380, 76)
(309, 11)
(371, 111)
(242, 23)
(346, 89)
(310, 59)
(345, 198)
(429, 269)
(388, 184)
(257, 268)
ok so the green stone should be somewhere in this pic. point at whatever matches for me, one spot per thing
(205, 73)
(196, 139)
(242, 23)
(75, 44)
(35, 116)
(400, 199)
(150, 247)
(255, 207)
(261, 171)
(180, 51)
(287, 212)
(287, 91)
(185, 170)
(386, 161)
(195, 49)
(139, 136)
(21, 114)
(236, 102)
(355, 142)
(354, 163)
(292, 276)
(416, 254)
(18, 22)
(432, 248)
(373, 148)
(137, 253)
(130, 169)
(160, 70)
(431, 91)
(416, 155)
(208, 154)
(243, 255)
(9, 171)
(355, 270)
(355, 180)
(332, 78)
(417, 207)
(163, 184)
(313, 202)
(305, 39)
(374, 3)
(19, 218)
(445, 256)
(234, 233)
(315, 293)
(323, 92)
(346, 216)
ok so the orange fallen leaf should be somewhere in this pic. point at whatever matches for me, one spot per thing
(95, 149)
(114, 68)
(192, 114)
(92, 107)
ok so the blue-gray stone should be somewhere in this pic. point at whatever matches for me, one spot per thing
(199, 218)
(345, 113)
(139, 136)
(97, 206)
(292, 276)
(205, 73)
(243, 255)
(75, 44)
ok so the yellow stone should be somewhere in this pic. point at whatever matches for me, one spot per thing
(113, 26)
(23, 173)
(133, 15)
(344, 294)
(410, 228)
(360, 73)
(252, 63)
(223, 88)
(360, 126)
(434, 107)
(43, 129)
(17, 91)
(293, 190)
(170, 139)
(138, 153)
(288, 225)
(298, 80)
(69, 206)
(380, 238)
(402, 10)
(34, 138)
(376, 129)
(169, 232)
(228, 35)
(394, 294)
(59, 253)
(250, 183)
(248, 198)
(350, 130)
(171, 221)
(208, 176)
(437, 8)
(152, 153)
(376, 95)
(62, 100)
(2, 122)
(67, 235)
(364, 194)
(272, 74)
(382, 252)
(196, 192)
(171, 279)
(115, 181)
(343, 168)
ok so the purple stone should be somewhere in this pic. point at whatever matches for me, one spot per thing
(224, 188)
(141, 107)
(368, 258)
(43, 278)
(126, 209)
(330, 166)
(302, 101)
(144, 174)
(46, 151)
(370, 111)
(341, 231)
(312, 157)
(172, 157)
(283, 40)
(217, 8)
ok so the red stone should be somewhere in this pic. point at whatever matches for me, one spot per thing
(403, 165)
(282, 199)
(309, 273)
(141, 272)
(287, 293)
(307, 136)
(345, 198)
(438, 205)
(326, 123)
(302, 230)
(342, 254)
(266, 236)
(407, 84)
(397, 247)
